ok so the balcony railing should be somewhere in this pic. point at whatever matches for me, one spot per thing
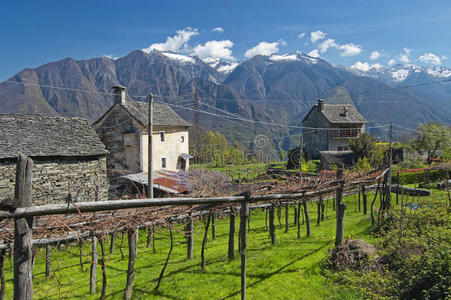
(346, 133)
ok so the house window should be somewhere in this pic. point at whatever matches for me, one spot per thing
(340, 148)
(163, 162)
(162, 136)
(183, 139)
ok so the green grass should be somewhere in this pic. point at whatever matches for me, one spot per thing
(236, 172)
(289, 270)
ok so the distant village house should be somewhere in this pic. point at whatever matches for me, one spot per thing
(69, 158)
(124, 130)
(328, 127)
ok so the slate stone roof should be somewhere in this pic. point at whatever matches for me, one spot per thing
(163, 115)
(334, 113)
(38, 135)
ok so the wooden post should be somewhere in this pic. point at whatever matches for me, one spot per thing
(295, 214)
(279, 214)
(2, 274)
(213, 226)
(231, 249)
(94, 259)
(204, 243)
(47, 260)
(23, 240)
(266, 218)
(398, 189)
(113, 241)
(272, 227)
(321, 201)
(189, 238)
(307, 217)
(80, 245)
(318, 220)
(102, 251)
(340, 210)
(149, 149)
(359, 200)
(244, 213)
(286, 218)
(364, 200)
(132, 235)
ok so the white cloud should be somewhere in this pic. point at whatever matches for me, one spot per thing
(375, 55)
(365, 66)
(391, 62)
(430, 58)
(218, 29)
(301, 35)
(263, 48)
(313, 53)
(217, 49)
(282, 42)
(404, 57)
(444, 57)
(317, 36)
(346, 49)
(327, 44)
(350, 49)
(176, 42)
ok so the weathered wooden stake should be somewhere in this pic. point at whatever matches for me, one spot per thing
(2, 274)
(23, 240)
(189, 238)
(359, 200)
(204, 243)
(244, 213)
(340, 210)
(364, 200)
(318, 220)
(286, 218)
(102, 251)
(374, 199)
(295, 214)
(279, 215)
(47, 260)
(213, 226)
(80, 245)
(113, 241)
(272, 227)
(94, 259)
(266, 218)
(231, 252)
(307, 217)
(298, 211)
(249, 222)
(321, 201)
(132, 235)
(167, 260)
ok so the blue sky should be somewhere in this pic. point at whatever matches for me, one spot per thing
(342, 32)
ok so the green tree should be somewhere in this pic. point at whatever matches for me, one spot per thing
(432, 138)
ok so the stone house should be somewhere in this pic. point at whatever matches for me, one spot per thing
(328, 127)
(68, 156)
(123, 128)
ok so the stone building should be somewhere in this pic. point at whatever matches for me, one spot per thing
(124, 130)
(68, 156)
(329, 127)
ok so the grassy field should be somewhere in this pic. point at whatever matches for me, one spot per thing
(289, 270)
(238, 172)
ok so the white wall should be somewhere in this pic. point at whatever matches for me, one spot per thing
(171, 148)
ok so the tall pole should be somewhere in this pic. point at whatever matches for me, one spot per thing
(196, 123)
(149, 150)
(390, 171)
(301, 145)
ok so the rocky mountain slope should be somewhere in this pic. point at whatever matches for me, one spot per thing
(266, 89)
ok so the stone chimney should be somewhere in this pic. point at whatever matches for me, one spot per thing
(345, 112)
(321, 104)
(119, 94)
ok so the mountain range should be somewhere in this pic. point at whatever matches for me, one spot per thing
(269, 90)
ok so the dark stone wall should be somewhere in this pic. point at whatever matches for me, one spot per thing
(53, 179)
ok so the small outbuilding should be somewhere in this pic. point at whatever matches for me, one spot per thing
(345, 159)
(69, 158)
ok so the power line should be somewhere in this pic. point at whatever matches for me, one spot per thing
(237, 25)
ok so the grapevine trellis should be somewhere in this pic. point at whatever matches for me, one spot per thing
(24, 227)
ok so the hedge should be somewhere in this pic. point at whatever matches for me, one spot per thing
(417, 177)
